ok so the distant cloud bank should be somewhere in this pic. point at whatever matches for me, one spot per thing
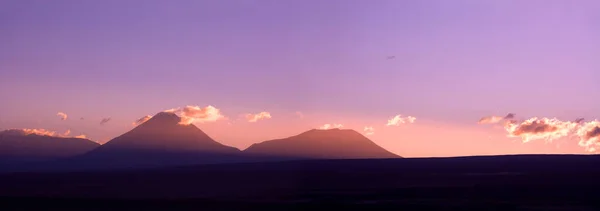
(549, 129)
(40, 132)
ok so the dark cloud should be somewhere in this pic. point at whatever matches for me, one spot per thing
(391, 57)
(105, 120)
(535, 127)
(579, 120)
(593, 133)
(510, 116)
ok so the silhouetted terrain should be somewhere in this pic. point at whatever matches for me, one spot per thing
(322, 144)
(18, 147)
(160, 141)
(522, 182)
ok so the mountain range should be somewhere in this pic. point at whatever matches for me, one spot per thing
(163, 141)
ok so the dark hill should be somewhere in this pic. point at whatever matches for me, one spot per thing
(17, 146)
(322, 144)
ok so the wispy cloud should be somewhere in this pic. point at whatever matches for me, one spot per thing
(495, 119)
(62, 115)
(259, 116)
(330, 126)
(141, 120)
(105, 120)
(190, 114)
(300, 114)
(369, 131)
(398, 120)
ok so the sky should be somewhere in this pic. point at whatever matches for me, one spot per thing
(358, 63)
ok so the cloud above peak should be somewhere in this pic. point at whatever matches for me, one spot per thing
(62, 115)
(191, 114)
(330, 126)
(258, 116)
(398, 120)
(141, 120)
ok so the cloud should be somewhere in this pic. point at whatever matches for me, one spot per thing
(589, 136)
(26, 131)
(81, 118)
(331, 126)
(190, 114)
(391, 57)
(105, 120)
(141, 120)
(300, 114)
(39, 132)
(540, 129)
(398, 119)
(81, 136)
(62, 115)
(496, 119)
(369, 131)
(510, 116)
(551, 129)
(259, 116)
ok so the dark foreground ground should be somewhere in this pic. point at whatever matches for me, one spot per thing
(474, 183)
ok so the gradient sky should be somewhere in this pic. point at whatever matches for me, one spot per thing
(455, 62)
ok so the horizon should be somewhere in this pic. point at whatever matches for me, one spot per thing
(435, 79)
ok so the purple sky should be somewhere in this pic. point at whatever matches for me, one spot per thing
(455, 61)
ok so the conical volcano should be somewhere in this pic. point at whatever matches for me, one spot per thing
(163, 132)
(160, 141)
(322, 144)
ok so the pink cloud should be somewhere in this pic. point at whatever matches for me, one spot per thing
(398, 119)
(141, 120)
(259, 116)
(62, 115)
(190, 114)
(369, 131)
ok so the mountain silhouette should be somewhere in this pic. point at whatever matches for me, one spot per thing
(160, 141)
(322, 144)
(18, 146)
